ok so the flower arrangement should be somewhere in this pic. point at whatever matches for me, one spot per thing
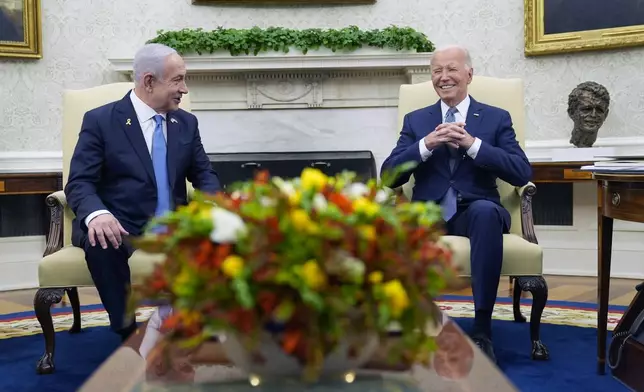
(319, 257)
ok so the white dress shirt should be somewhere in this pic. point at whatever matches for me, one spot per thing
(145, 116)
(459, 116)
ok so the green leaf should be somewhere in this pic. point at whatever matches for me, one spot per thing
(384, 315)
(284, 311)
(256, 40)
(389, 177)
(242, 291)
(312, 298)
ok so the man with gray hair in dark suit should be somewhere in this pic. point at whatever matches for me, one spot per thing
(130, 164)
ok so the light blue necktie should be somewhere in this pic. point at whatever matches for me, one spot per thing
(449, 202)
(160, 163)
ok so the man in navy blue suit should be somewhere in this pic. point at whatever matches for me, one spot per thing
(462, 146)
(131, 163)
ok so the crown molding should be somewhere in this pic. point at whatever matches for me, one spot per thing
(321, 59)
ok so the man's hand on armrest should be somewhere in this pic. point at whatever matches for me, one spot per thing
(103, 227)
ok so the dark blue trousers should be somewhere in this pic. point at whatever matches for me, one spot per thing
(111, 274)
(484, 223)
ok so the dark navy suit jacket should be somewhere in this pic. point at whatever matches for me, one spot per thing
(111, 168)
(475, 179)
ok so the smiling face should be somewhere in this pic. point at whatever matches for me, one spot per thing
(591, 113)
(165, 93)
(451, 75)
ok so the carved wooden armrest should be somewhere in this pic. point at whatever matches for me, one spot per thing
(56, 203)
(527, 224)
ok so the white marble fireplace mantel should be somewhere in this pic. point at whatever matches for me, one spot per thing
(320, 79)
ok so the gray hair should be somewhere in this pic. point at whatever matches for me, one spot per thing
(468, 58)
(151, 59)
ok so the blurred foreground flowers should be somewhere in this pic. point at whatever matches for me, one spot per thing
(319, 257)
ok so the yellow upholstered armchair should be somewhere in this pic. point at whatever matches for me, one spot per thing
(522, 256)
(63, 267)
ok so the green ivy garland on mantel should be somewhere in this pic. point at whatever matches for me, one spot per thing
(256, 40)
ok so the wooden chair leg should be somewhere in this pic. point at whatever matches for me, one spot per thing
(516, 304)
(43, 300)
(538, 287)
(72, 293)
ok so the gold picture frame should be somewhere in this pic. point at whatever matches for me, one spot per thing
(281, 2)
(584, 33)
(20, 29)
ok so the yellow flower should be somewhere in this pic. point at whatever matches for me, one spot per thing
(312, 274)
(375, 277)
(302, 221)
(367, 232)
(205, 214)
(294, 198)
(397, 296)
(191, 317)
(190, 208)
(313, 179)
(366, 206)
(181, 285)
(233, 266)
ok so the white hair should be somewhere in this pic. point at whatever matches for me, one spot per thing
(151, 59)
(468, 58)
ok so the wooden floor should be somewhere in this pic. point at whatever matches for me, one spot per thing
(561, 288)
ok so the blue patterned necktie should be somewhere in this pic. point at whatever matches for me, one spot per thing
(160, 163)
(449, 202)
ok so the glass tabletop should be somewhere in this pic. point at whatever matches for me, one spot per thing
(362, 383)
(457, 365)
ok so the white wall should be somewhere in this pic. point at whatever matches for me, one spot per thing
(79, 37)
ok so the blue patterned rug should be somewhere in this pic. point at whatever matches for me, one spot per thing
(568, 329)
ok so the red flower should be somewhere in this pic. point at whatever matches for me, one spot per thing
(157, 280)
(202, 254)
(264, 273)
(221, 252)
(267, 301)
(242, 319)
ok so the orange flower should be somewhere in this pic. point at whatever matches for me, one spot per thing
(262, 177)
(202, 255)
(171, 323)
(340, 200)
(291, 339)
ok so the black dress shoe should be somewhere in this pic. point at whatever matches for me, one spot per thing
(485, 345)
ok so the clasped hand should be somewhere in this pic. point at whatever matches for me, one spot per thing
(106, 228)
(452, 134)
